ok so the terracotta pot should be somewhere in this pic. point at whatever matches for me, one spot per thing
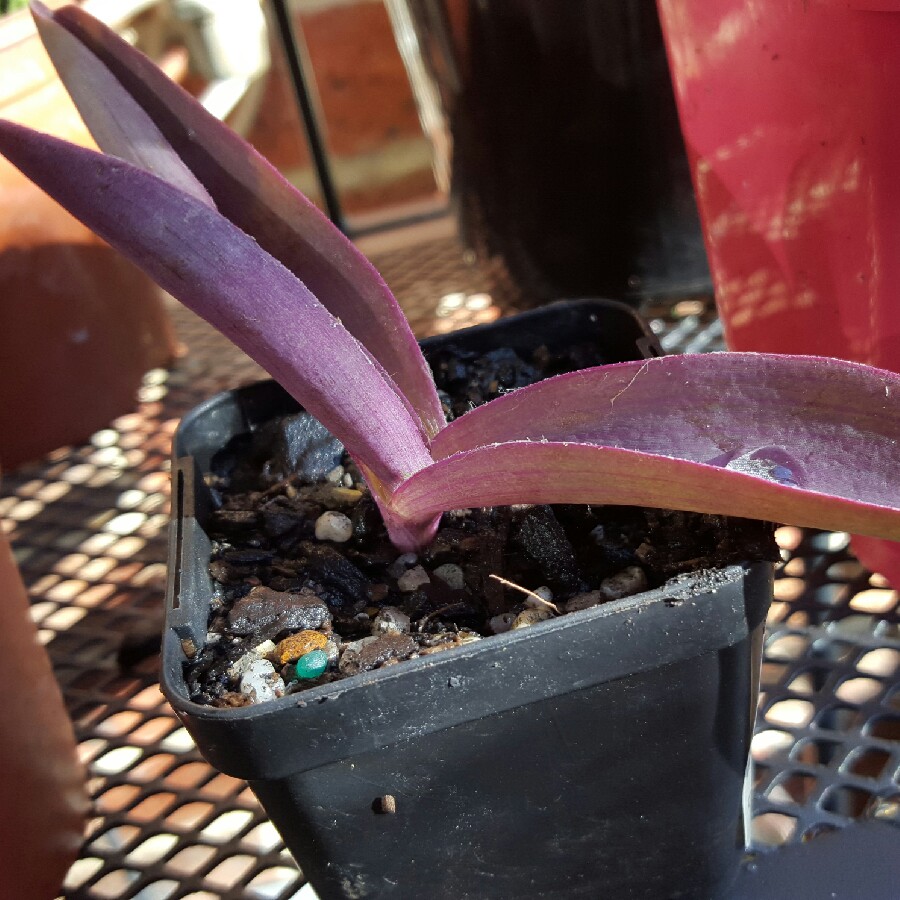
(81, 325)
(42, 788)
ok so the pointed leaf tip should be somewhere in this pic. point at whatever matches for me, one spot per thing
(116, 122)
(258, 199)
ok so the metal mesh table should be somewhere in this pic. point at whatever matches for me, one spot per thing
(88, 528)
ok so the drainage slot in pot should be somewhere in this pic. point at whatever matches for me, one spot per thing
(177, 525)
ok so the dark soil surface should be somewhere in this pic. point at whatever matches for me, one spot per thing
(290, 605)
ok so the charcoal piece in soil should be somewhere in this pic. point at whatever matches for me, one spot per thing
(368, 526)
(236, 523)
(207, 676)
(538, 533)
(283, 517)
(295, 446)
(340, 577)
(244, 557)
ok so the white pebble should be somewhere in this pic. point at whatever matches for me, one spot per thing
(261, 682)
(625, 583)
(236, 670)
(543, 596)
(265, 648)
(413, 579)
(334, 526)
(401, 564)
(391, 619)
(501, 623)
(452, 575)
(336, 475)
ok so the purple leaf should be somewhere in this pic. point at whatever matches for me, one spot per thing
(406, 532)
(115, 120)
(224, 276)
(712, 408)
(253, 195)
(530, 472)
(805, 440)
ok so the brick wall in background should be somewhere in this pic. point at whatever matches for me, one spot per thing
(378, 151)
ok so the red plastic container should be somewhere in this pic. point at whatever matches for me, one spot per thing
(790, 116)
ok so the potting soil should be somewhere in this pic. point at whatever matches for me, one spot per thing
(308, 588)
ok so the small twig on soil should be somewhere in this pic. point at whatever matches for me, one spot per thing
(524, 590)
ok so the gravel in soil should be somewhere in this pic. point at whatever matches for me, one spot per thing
(308, 588)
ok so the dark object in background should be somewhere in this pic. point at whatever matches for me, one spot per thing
(568, 160)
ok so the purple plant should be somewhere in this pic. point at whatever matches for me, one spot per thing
(806, 440)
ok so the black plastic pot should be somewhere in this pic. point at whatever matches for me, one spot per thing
(600, 754)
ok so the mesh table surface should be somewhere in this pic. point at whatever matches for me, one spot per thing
(88, 526)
